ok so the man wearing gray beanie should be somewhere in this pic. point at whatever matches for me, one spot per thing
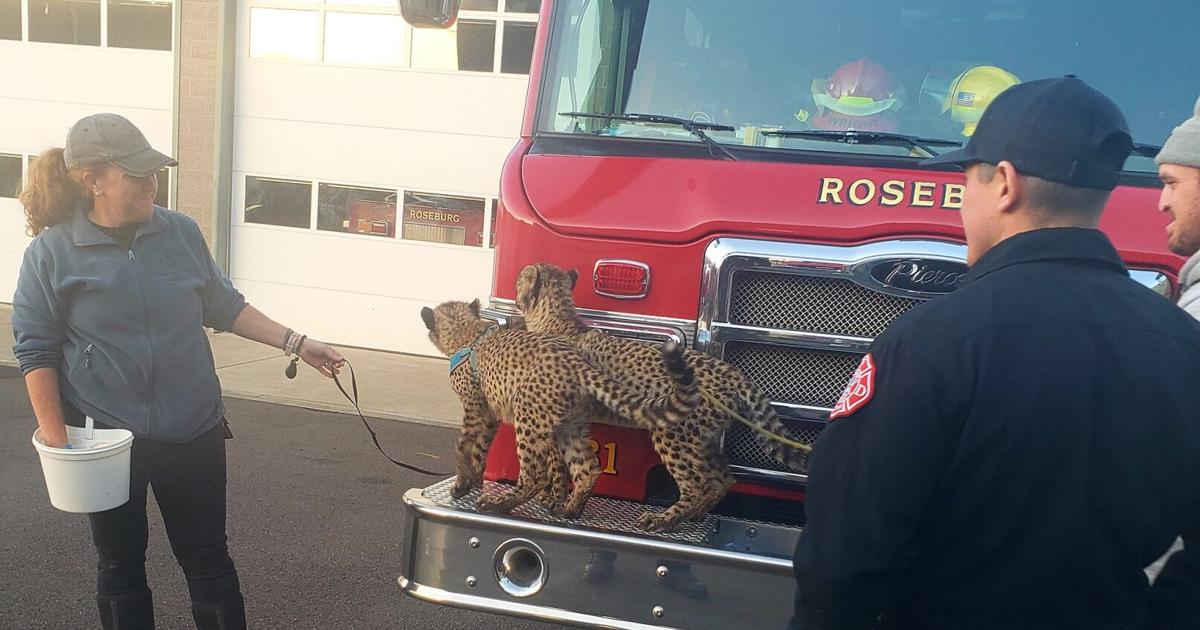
(1175, 597)
(1179, 169)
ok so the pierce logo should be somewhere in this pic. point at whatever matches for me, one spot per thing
(858, 392)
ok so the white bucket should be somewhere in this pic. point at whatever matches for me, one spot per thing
(92, 475)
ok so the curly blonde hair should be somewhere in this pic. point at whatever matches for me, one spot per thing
(51, 191)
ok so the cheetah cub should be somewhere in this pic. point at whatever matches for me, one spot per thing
(691, 447)
(542, 386)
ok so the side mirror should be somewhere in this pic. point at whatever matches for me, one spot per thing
(430, 13)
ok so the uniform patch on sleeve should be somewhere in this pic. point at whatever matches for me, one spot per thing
(858, 392)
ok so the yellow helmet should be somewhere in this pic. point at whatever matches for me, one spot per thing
(972, 92)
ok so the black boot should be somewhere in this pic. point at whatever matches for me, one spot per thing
(134, 611)
(229, 614)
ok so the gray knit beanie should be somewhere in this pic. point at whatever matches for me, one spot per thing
(1183, 147)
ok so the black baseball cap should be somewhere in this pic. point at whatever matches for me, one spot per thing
(1062, 130)
(112, 139)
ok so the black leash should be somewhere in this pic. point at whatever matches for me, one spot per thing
(291, 373)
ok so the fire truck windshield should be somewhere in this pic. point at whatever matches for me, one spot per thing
(922, 69)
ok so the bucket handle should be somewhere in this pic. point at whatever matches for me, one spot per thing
(91, 429)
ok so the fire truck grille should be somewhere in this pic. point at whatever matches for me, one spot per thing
(799, 376)
(833, 306)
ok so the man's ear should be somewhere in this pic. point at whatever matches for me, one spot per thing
(1012, 190)
(574, 273)
(475, 307)
(427, 317)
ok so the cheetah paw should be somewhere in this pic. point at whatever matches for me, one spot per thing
(566, 511)
(461, 487)
(493, 503)
(653, 522)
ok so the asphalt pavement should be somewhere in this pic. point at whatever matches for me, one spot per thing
(314, 526)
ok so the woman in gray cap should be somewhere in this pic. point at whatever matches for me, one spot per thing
(109, 315)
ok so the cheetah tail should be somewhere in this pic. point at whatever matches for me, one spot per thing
(763, 414)
(645, 410)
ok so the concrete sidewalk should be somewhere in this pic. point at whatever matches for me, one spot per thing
(390, 385)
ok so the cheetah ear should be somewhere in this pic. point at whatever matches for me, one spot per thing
(427, 317)
(475, 307)
(574, 274)
(535, 287)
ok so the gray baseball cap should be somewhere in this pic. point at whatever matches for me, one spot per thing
(112, 139)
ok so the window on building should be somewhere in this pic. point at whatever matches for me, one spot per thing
(443, 219)
(354, 32)
(356, 210)
(11, 169)
(364, 39)
(285, 34)
(489, 36)
(142, 24)
(523, 6)
(65, 21)
(162, 198)
(10, 19)
(492, 235)
(278, 201)
(518, 47)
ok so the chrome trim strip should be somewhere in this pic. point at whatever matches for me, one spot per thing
(647, 332)
(771, 476)
(503, 318)
(818, 341)
(621, 261)
(511, 608)
(630, 324)
(806, 412)
(427, 509)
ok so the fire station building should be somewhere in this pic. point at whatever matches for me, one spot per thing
(343, 165)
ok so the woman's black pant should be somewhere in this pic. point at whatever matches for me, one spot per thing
(189, 484)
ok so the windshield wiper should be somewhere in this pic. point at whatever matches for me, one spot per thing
(696, 128)
(867, 137)
(1146, 150)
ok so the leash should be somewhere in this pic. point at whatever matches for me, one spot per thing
(291, 373)
(719, 404)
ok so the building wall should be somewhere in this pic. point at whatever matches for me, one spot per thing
(392, 129)
(197, 79)
(345, 99)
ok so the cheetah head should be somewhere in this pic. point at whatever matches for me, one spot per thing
(453, 325)
(545, 287)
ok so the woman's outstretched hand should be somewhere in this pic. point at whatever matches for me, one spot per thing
(323, 357)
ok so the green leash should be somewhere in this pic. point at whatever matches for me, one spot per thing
(719, 404)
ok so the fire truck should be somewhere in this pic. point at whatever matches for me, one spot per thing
(743, 177)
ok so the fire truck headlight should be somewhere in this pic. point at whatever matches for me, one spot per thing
(520, 566)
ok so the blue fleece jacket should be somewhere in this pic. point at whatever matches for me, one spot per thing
(125, 328)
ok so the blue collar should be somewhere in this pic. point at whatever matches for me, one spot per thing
(458, 357)
(468, 353)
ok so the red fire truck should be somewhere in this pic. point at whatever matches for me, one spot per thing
(742, 177)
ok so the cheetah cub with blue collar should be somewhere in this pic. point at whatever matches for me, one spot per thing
(542, 386)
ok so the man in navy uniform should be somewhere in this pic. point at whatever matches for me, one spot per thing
(1011, 455)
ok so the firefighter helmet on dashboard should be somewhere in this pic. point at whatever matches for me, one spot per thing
(972, 92)
(861, 95)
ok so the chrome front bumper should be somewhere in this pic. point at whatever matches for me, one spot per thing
(597, 571)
